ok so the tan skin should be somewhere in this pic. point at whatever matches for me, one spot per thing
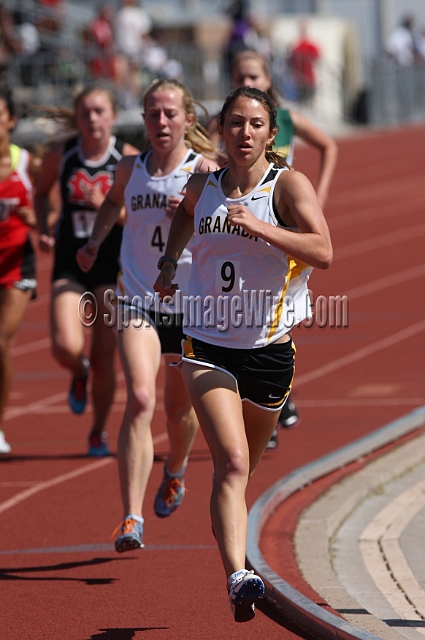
(95, 117)
(250, 72)
(13, 302)
(140, 350)
(236, 452)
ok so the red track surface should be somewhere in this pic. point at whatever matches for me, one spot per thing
(54, 500)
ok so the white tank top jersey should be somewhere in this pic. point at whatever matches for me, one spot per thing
(147, 227)
(243, 293)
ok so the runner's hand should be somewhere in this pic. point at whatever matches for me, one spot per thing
(87, 255)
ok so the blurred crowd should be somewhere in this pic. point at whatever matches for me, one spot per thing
(120, 46)
(124, 47)
(406, 43)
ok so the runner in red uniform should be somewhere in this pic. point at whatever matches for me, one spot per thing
(17, 261)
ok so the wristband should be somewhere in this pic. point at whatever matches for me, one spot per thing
(167, 259)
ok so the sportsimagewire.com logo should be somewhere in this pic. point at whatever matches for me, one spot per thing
(251, 309)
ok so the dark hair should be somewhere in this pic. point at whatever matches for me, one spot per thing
(269, 106)
(6, 95)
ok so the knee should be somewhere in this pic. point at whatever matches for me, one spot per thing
(234, 466)
(65, 352)
(140, 401)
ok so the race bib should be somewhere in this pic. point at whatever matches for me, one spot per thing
(227, 276)
(83, 223)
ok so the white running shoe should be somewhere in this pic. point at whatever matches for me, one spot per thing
(4, 446)
(245, 588)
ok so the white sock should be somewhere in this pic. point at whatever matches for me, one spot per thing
(180, 473)
(236, 575)
(133, 516)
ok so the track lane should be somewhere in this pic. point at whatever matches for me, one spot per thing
(177, 591)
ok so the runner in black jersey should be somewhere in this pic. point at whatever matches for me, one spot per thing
(85, 168)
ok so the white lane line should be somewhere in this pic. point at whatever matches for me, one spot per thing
(47, 484)
(386, 240)
(330, 403)
(385, 560)
(381, 212)
(330, 367)
(362, 402)
(385, 283)
(29, 483)
(352, 294)
(33, 407)
(41, 486)
(23, 349)
(116, 408)
(359, 354)
(40, 405)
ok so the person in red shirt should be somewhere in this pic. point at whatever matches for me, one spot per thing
(101, 35)
(17, 261)
(303, 59)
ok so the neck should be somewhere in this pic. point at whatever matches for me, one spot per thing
(94, 149)
(162, 163)
(5, 148)
(240, 180)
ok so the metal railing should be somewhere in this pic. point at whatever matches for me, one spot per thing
(395, 94)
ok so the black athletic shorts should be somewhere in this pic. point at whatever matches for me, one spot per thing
(263, 376)
(168, 326)
(105, 269)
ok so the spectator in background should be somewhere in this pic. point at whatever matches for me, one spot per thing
(132, 24)
(27, 33)
(10, 42)
(101, 37)
(241, 33)
(53, 15)
(302, 61)
(420, 45)
(400, 45)
(155, 60)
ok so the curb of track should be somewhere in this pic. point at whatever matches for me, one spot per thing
(279, 592)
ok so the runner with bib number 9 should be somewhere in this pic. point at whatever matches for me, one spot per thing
(258, 228)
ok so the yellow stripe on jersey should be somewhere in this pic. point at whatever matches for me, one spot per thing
(266, 189)
(15, 154)
(295, 267)
(120, 284)
(188, 351)
(211, 184)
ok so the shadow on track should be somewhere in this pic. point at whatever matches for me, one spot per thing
(122, 634)
(10, 574)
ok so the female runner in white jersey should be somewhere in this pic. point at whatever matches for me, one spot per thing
(151, 186)
(258, 227)
(250, 69)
